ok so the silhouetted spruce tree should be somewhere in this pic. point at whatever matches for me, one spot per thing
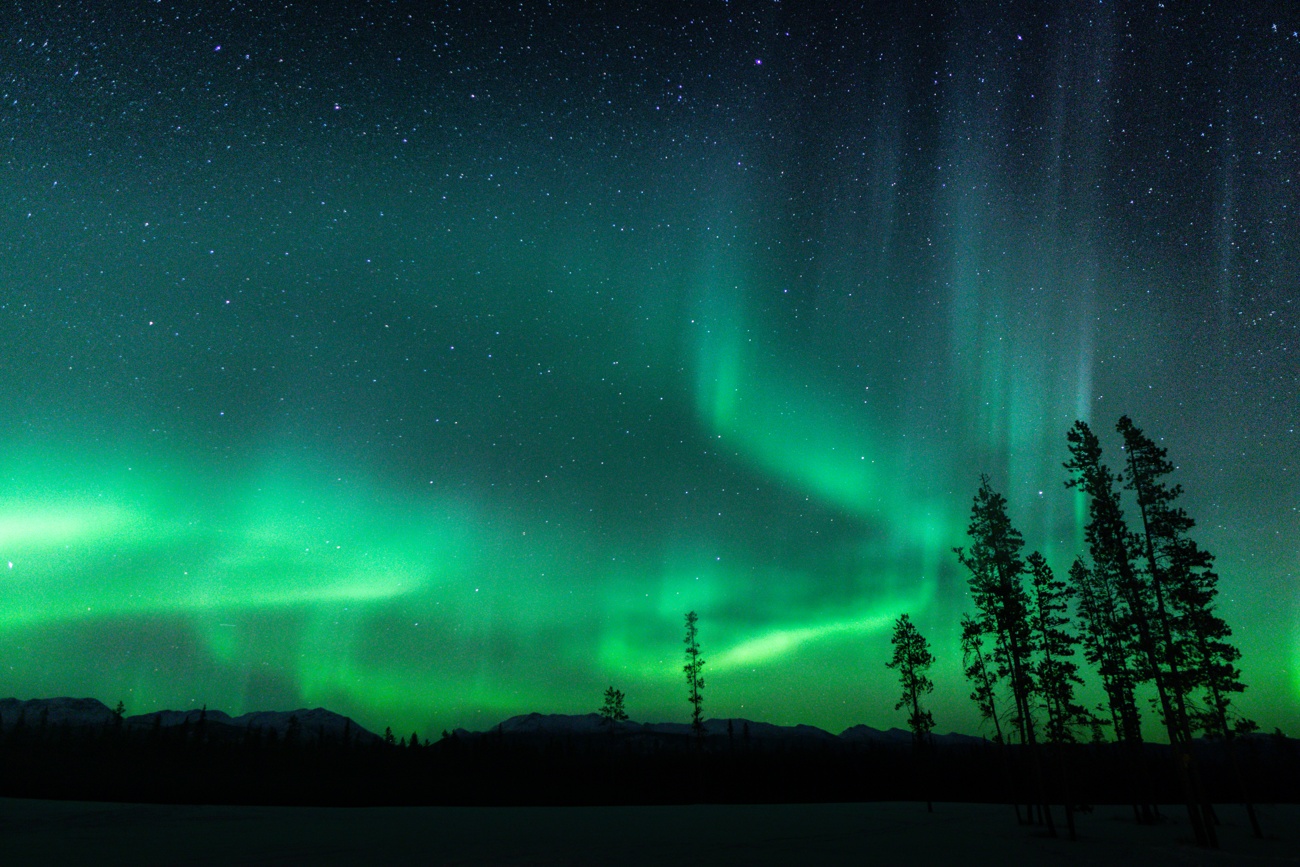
(977, 668)
(1109, 643)
(1162, 526)
(1115, 551)
(1055, 671)
(1198, 655)
(1213, 660)
(979, 671)
(612, 712)
(912, 659)
(694, 669)
(997, 588)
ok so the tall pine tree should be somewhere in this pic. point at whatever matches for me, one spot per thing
(996, 583)
(1198, 653)
(979, 671)
(1055, 671)
(1199, 659)
(1109, 643)
(694, 669)
(912, 659)
(1115, 551)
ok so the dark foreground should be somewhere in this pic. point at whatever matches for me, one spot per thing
(62, 832)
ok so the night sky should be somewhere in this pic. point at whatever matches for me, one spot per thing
(429, 361)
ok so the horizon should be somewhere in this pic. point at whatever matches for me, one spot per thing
(1159, 739)
(430, 367)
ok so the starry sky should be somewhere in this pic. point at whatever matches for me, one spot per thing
(429, 361)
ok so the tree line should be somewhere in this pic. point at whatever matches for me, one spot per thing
(1139, 608)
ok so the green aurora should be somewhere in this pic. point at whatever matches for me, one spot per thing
(429, 366)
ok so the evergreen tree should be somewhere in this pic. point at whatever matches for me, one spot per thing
(1056, 672)
(1197, 654)
(1109, 644)
(694, 669)
(997, 587)
(1112, 604)
(978, 671)
(1114, 549)
(1163, 525)
(912, 659)
(1211, 657)
(612, 711)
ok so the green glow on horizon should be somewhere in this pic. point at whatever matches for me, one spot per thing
(267, 552)
(439, 397)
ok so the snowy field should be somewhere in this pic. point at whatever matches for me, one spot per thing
(53, 832)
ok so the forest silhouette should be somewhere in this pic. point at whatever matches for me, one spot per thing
(1136, 611)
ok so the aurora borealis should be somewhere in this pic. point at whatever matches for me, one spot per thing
(428, 362)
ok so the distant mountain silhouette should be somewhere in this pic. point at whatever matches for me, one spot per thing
(72, 712)
(538, 725)
(316, 723)
(320, 724)
(77, 748)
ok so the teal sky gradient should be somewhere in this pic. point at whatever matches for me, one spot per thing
(429, 365)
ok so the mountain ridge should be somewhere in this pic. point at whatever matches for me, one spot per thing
(555, 724)
(90, 712)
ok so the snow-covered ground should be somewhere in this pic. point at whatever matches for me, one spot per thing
(53, 832)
